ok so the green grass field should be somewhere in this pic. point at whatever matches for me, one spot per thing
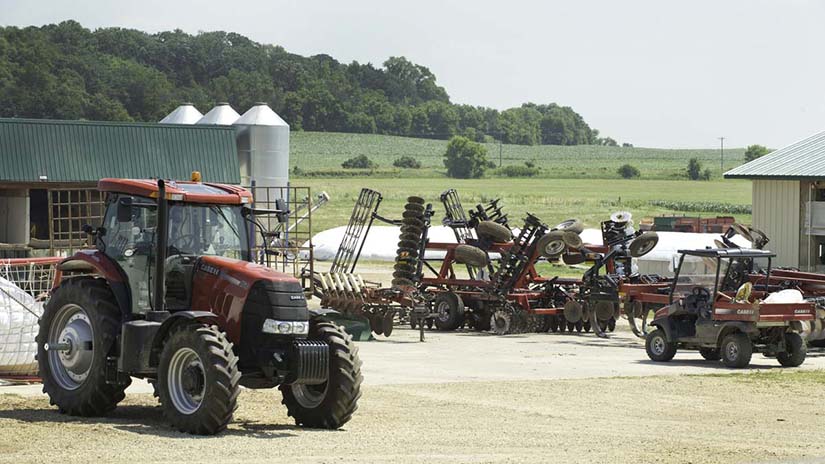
(553, 200)
(322, 152)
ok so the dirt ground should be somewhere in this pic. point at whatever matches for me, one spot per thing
(463, 397)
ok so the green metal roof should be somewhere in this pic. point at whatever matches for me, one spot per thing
(802, 160)
(84, 151)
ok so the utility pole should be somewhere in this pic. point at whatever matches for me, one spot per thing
(722, 153)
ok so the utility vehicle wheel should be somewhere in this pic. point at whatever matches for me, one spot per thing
(611, 324)
(500, 323)
(198, 379)
(331, 404)
(710, 354)
(494, 231)
(796, 351)
(658, 348)
(77, 330)
(736, 350)
(473, 256)
(450, 311)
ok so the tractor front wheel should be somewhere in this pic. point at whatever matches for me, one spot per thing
(198, 379)
(331, 404)
(78, 329)
(795, 352)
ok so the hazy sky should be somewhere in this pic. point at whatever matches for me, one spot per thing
(654, 73)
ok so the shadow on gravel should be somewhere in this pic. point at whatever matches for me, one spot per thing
(149, 420)
(716, 365)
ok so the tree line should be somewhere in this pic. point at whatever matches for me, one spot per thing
(65, 71)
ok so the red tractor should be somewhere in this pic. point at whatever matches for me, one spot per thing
(170, 294)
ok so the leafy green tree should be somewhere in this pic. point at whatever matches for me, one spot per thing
(465, 159)
(755, 151)
(628, 171)
(694, 169)
(359, 162)
(407, 162)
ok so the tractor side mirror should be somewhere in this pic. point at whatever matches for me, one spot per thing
(124, 209)
(283, 210)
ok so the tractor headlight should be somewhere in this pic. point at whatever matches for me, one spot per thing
(285, 327)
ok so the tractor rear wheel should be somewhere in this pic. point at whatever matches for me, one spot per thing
(658, 348)
(198, 379)
(78, 329)
(736, 350)
(331, 404)
(710, 354)
(796, 351)
(450, 311)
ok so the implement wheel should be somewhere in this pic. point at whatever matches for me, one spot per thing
(494, 231)
(328, 405)
(450, 311)
(470, 255)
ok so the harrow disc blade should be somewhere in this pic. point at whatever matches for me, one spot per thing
(572, 311)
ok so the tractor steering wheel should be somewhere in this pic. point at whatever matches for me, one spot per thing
(183, 242)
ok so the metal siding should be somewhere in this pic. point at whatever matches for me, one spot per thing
(78, 151)
(776, 212)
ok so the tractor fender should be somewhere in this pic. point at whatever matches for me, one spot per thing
(98, 263)
(734, 326)
(178, 317)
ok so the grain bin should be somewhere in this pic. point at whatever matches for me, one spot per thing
(184, 114)
(221, 115)
(263, 148)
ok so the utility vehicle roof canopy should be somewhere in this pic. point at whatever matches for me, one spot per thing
(184, 191)
(729, 253)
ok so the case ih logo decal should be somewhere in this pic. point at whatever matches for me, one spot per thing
(296, 297)
(209, 269)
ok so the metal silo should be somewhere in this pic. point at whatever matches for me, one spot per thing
(222, 115)
(263, 148)
(184, 114)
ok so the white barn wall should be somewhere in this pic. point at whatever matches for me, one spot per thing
(776, 207)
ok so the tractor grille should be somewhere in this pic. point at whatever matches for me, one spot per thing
(311, 359)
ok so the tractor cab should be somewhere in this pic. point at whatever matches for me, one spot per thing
(203, 220)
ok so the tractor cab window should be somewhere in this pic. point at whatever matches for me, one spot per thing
(213, 230)
(696, 273)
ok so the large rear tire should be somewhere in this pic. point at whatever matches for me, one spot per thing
(198, 379)
(331, 404)
(83, 316)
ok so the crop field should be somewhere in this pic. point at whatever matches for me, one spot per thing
(553, 200)
(321, 154)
